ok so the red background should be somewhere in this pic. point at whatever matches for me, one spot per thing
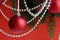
(41, 33)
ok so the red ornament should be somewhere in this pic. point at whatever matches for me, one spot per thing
(55, 6)
(58, 4)
(17, 23)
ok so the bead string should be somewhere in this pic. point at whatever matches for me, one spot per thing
(4, 15)
(10, 35)
(32, 14)
(59, 37)
(20, 9)
(8, 18)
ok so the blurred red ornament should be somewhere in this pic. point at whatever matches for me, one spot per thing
(17, 23)
(55, 6)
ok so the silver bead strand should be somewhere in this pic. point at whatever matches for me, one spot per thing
(20, 9)
(8, 18)
(32, 14)
(4, 15)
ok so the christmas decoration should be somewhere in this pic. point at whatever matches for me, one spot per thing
(17, 23)
(55, 7)
(30, 6)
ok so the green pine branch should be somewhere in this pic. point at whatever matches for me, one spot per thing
(51, 26)
(58, 15)
(13, 5)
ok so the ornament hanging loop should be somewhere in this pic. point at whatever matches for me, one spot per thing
(18, 12)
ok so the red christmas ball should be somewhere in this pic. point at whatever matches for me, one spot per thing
(58, 4)
(17, 23)
(55, 6)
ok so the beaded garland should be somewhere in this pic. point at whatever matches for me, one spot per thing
(28, 10)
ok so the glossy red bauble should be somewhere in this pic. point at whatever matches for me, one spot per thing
(58, 4)
(55, 6)
(17, 23)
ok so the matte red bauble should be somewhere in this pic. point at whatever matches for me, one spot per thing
(55, 6)
(17, 23)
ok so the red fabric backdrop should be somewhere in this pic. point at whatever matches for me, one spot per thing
(41, 33)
